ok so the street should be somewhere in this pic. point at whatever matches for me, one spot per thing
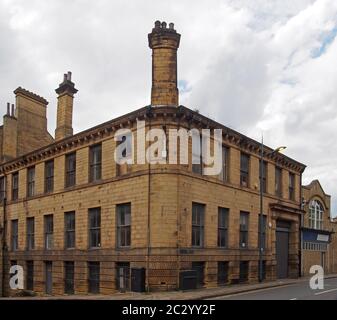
(299, 291)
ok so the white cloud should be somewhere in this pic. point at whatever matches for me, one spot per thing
(253, 65)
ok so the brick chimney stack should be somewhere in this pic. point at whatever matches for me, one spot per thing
(65, 91)
(164, 42)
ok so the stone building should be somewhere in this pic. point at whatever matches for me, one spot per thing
(318, 230)
(77, 222)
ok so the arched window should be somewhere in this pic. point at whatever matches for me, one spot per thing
(316, 215)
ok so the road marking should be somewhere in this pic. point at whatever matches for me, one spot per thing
(293, 299)
(327, 291)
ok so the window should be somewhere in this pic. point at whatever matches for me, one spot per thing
(69, 271)
(124, 160)
(244, 170)
(198, 216)
(123, 276)
(291, 186)
(225, 160)
(263, 231)
(70, 170)
(2, 189)
(278, 182)
(124, 225)
(15, 186)
(199, 267)
(94, 277)
(95, 158)
(95, 228)
(197, 161)
(49, 176)
(30, 275)
(48, 231)
(316, 215)
(244, 220)
(69, 228)
(264, 269)
(31, 182)
(263, 176)
(15, 235)
(30, 234)
(244, 271)
(223, 227)
(222, 272)
(48, 276)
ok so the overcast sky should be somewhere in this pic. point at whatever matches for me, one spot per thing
(256, 66)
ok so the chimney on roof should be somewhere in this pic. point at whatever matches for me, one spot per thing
(65, 91)
(164, 43)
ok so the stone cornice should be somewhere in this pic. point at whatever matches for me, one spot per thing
(181, 114)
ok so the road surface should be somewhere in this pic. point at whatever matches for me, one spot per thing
(298, 291)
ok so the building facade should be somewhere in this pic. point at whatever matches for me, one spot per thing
(77, 222)
(318, 230)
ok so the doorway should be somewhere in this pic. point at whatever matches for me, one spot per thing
(282, 248)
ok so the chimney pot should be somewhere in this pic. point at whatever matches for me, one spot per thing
(8, 108)
(163, 25)
(65, 77)
(157, 24)
(171, 26)
(13, 108)
(69, 76)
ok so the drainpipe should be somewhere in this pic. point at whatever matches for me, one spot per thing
(149, 113)
(4, 244)
(300, 231)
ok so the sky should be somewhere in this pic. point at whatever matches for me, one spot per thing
(260, 67)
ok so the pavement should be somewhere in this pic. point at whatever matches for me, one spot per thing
(289, 289)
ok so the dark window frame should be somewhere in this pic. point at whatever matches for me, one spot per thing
(223, 220)
(31, 182)
(15, 186)
(278, 182)
(14, 234)
(30, 233)
(291, 186)
(70, 230)
(224, 174)
(2, 188)
(244, 230)
(94, 269)
(123, 225)
(223, 272)
(125, 168)
(95, 162)
(94, 229)
(69, 277)
(48, 231)
(198, 168)
(30, 275)
(244, 169)
(70, 170)
(244, 271)
(198, 224)
(49, 176)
